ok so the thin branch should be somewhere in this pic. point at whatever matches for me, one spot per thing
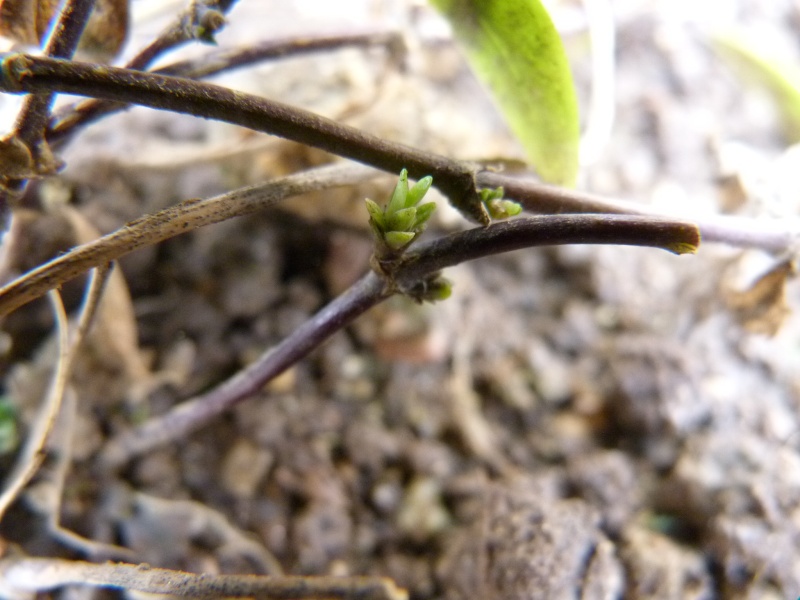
(193, 414)
(70, 119)
(457, 179)
(35, 112)
(545, 230)
(229, 59)
(42, 574)
(417, 267)
(24, 73)
(88, 547)
(185, 28)
(771, 235)
(62, 43)
(32, 454)
(172, 221)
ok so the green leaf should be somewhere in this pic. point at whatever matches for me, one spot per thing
(514, 48)
(375, 213)
(417, 193)
(397, 239)
(778, 76)
(503, 209)
(424, 212)
(398, 200)
(402, 220)
(489, 194)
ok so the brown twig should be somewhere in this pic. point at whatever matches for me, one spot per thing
(35, 112)
(771, 235)
(676, 236)
(70, 119)
(457, 179)
(172, 221)
(24, 73)
(91, 301)
(33, 453)
(197, 21)
(42, 574)
(545, 230)
(194, 413)
(62, 43)
(182, 30)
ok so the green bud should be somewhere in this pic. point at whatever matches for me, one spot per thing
(402, 220)
(502, 209)
(375, 213)
(417, 193)
(398, 239)
(424, 212)
(487, 194)
(438, 289)
(398, 200)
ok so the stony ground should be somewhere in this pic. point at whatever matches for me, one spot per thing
(572, 423)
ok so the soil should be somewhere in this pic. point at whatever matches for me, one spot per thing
(576, 422)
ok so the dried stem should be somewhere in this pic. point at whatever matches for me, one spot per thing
(225, 60)
(182, 30)
(23, 73)
(193, 414)
(33, 453)
(430, 258)
(34, 115)
(457, 179)
(772, 235)
(35, 112)
(70, 119)
(63, 42)
(545, 230)
(41, 574)
(167, 223)
(91, 301)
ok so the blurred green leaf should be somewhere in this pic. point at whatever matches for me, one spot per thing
(514, 48)
(9, 436)
(776, 75)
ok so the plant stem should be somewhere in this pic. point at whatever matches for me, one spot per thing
(179, 32)
(21, 574)
(23, 73)
(236, 58)
(193, 414)
(71, 118)
(63, 42)
(771, 235)
(546, 230)
(35, 112)
(427, 260)
(169, 222)
(457, 179)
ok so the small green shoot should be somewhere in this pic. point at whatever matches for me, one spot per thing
(396, 227)
(496, 206)
(403, 219)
